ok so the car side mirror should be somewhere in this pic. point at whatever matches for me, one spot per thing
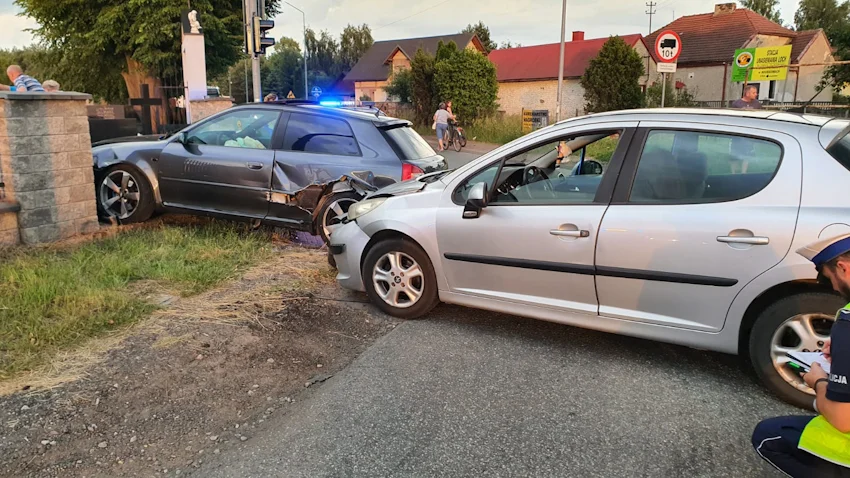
(476, 201)
(181, 138)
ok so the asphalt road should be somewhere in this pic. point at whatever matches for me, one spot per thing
(457, 160)
(472, 393)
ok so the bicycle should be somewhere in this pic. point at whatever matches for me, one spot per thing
(454, 136)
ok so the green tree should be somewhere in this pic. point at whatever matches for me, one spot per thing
(283, 70)
(766, 8)
(425, 99)
(139, 40)
(322, 54)
(446, 50)
(505, 45)
(611, 81)
(483, 33)
(672, 97)
(826, 14)
(468, 79)
(401, 86)
(353, 43)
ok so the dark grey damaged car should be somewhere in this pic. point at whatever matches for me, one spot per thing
(298, 166)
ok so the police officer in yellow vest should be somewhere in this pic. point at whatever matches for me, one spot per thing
(819, 446)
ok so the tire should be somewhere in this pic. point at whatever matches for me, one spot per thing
(332, 206)
(426, 283)
(462, 140)
(456, 142)
(129, 202)
(771, 328)
(331, 260)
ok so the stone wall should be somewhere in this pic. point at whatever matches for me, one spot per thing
(46, 163)
(9, 234)
(200, 109)
(513, 96)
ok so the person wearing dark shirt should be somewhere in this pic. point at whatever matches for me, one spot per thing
(819, 446)
(749, 100)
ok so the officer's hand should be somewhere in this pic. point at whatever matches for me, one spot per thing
(826, 349)
(814, 374)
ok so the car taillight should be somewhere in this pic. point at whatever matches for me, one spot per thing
(409, 171)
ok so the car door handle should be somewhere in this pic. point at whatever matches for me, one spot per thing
(253, 165)
(751, 240)
(559, 232)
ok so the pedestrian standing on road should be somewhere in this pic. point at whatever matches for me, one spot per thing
(271, 97)
(441, 124)
(819, 446)
(21, 81)
(749, 100)
(51, 86)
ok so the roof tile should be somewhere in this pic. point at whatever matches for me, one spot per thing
(372, 67)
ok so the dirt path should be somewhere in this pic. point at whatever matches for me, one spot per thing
(199, 377)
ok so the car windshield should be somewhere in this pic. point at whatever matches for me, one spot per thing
(407, 143)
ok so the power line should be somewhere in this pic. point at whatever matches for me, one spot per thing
(413, 15)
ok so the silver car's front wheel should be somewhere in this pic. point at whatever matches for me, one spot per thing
(801, 333)
(398, 280)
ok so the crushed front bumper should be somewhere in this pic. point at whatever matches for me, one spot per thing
(347, 244)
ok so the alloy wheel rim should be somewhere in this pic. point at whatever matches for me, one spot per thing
(801, 333)
(398, 280)
(120, 194)
(334, 211)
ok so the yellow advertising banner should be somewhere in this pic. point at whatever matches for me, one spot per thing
(776, 57)
(527, 125)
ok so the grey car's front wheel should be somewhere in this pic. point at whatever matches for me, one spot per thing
(331, 209)
(400, 279)
(124, 193)
(800, 322)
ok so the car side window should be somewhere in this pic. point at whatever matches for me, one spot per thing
(566, 170)
(252, 129)
(319, 134)
(687, 167)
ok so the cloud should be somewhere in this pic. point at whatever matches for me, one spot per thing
(13, 34)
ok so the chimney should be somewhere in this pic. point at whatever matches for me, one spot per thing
(724, 8)
(578, 36)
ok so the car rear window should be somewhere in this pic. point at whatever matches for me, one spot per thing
(840, 150)
(407, 143)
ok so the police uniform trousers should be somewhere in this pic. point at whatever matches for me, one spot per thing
(776, 439)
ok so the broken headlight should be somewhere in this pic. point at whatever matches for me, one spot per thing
(363, 207)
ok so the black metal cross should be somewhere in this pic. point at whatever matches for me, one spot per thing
(146, 102)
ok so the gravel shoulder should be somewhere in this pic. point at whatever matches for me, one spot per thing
(200, 377)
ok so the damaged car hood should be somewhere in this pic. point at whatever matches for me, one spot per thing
(411, 186)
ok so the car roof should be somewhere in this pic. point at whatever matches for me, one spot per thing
(808, 119)
(363, 114)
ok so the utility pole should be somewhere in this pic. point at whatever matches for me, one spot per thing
(251, 10)
(561, 62)
(651, 11)
(304, 22)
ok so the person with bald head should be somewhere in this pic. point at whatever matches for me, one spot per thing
(21, 81)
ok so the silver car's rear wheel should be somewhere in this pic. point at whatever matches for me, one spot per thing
(398, 280)
(801, 333)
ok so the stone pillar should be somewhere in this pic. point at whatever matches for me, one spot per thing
(208, 107)
(46, 162)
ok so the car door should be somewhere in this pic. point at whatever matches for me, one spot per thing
(223, 165)
(534, 242)
(316, 149)
(699, 211)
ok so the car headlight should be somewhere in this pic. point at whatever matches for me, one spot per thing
(363, 207)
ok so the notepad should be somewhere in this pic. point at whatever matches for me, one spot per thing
(808, 358)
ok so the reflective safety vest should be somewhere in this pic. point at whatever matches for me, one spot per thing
(822, 439)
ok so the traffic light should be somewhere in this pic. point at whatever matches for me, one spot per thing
(260, 42)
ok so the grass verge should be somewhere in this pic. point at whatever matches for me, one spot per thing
(56, 297)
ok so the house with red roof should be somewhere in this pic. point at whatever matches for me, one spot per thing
(528, 76)
(709, 41)
(374, 71)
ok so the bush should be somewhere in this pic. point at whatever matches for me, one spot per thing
(401, 86)
(672, 97)
(612, 79)
(468, 79)
(365, 98)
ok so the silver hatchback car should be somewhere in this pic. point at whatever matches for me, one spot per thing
(672, 225)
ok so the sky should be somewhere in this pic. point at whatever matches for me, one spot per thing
(529, 22)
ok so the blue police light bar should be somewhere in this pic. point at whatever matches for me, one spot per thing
(330, 103)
